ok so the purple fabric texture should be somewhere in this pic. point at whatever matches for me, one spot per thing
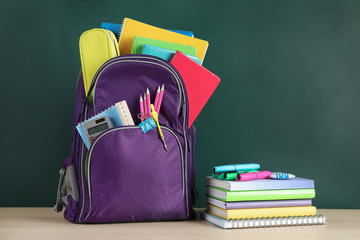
(133, 178)
(129, 175)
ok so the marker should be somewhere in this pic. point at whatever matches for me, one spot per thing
(252, 176)
(148, 102)
(157, 98)
(141, 108)
(236, 167)
(281, 176)
(160, 99)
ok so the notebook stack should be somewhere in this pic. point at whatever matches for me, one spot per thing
(261, 203)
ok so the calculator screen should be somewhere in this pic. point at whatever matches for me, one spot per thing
(98, 128)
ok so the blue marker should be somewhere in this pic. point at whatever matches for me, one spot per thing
(281, 176)
(236, 167)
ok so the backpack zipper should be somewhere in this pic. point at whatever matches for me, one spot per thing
(134, 58)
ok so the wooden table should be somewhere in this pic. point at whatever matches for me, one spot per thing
(44, 223)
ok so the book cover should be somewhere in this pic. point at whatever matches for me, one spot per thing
(200, 83)
(139, 43)
(262, 212)
(164, 53)
(261, 184)
(282, 194)
(259, 204)
(132, 28)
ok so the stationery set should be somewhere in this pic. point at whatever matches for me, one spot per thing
(266, 200)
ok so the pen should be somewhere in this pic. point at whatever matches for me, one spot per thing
(141, 108)
(281, 176)
(155, 117)
(157, 109)
(252, 176)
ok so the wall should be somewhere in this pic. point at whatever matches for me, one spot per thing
(289, 96)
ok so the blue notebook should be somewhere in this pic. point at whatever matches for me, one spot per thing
(164, 53)
(116, 29)
(113, 116)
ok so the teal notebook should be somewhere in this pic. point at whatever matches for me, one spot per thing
(139, 42)
(164, 53)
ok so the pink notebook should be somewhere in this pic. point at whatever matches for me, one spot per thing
(200, 83)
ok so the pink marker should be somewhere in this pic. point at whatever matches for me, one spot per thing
(252, 176)
(141, 108)
(157, 98)
(160, 100)
(145, 107)
(148, 102)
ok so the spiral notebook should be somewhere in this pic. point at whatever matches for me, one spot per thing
(263, 222)
(132, 28)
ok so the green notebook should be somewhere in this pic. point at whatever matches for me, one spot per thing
(283, 194)
(140, 41)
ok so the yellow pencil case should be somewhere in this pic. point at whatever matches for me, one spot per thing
(96, 47)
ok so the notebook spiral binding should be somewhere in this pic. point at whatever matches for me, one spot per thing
(278, 222)
(263, 222)
(122, 30)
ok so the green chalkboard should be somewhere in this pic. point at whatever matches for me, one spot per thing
(289, 97)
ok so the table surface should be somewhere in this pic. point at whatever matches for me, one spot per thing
(44, 223)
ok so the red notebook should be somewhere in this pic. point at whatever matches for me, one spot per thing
(200, 83)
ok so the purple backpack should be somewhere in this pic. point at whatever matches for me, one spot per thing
(127, 175)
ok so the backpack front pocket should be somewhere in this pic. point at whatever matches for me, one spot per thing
(131, 177)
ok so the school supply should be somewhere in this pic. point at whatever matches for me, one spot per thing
(96, 47)
(257, 195)
(155, 117)
(111, 113)
(200, 83)
(132, 28)
(147, 102)
(95, 127)
(142, 111)
(259, 204)
(147, 125)
(164, 53)
(124, 164)
(157, 98)
(236, 167)
(262, 213)
(263, 222)
(230, 175)
(252, 176)
(161, 95)
(261, 184)
(116, 29)
(146, 107)
(139, 42)
(124, 113)
(281, 176)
